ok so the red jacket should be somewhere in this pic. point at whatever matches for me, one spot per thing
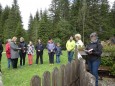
(8, 54)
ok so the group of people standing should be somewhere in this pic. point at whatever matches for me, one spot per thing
(14, 51)
(93, 50)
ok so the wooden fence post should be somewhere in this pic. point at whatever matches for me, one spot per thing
(35, 81)
(73, 73)
(46, 80)
(62, 71)
(55, 77)
(67, 74)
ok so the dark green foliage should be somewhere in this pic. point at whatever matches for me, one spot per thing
(113, 70)
(64, 18)
(107, 61)
(11, 22)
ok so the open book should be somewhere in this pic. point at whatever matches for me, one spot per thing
(88, 50)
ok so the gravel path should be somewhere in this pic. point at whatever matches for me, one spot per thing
(107, 82)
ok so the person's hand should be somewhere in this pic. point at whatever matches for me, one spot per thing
(19, 48)
(51, 50)
(89, 52)
(38, 50)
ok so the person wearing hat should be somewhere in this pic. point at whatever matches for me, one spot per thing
(94, 51)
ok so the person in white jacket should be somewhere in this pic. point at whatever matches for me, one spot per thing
(79, 44)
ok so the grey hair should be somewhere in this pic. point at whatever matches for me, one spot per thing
(9, 40)
(93, 34)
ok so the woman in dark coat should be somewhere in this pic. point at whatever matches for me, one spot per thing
(94, 51)
(39, 51)
(22, 52)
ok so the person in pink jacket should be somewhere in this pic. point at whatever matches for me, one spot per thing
(8, 54)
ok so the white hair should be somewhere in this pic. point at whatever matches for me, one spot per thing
(78, 35)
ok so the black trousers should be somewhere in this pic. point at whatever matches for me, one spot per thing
(14, 62)
(22, 58)
(39, 54)
(51, 58)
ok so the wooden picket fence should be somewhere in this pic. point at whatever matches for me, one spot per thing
(71, 74)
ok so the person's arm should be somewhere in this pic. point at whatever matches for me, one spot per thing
(73, 46)
(47, 47)
(42, 48)
(33, 49)
(7, 48)
(86, 49)
(67, 46)
(54, 47)
(99, 50)
(14, 48)
(36, 47)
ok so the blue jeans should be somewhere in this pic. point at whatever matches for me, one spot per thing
(9, 61)
(93, 67)
(57, 58)
(70, 56)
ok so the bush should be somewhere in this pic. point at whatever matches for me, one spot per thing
(109, 48)
(113, 70)
(107, 61)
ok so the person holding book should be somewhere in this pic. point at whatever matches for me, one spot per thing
(94, 51)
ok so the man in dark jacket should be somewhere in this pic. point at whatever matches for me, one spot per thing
(94, 51)
(1, 50)
(22, 52)
(39, 52)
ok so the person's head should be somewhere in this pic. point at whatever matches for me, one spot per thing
(77, 37)
(71, 38)
(93, 36)
(30, 43)
(39, 41)
(58, 44)
(50, 40)
(21, 39)
(9, 40)
(14, 39)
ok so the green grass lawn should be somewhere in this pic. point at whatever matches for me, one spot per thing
(22, 76)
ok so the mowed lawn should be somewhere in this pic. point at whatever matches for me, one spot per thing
(22, 75)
